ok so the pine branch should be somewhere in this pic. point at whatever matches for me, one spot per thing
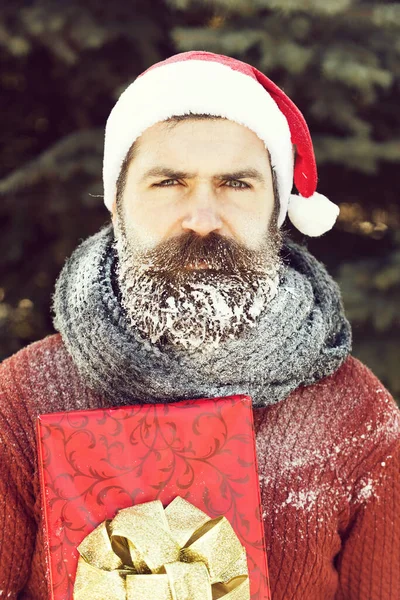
(371, 291)
(79, 152)
(348, 66)
(357, 152)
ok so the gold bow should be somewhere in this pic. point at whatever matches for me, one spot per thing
(174, 554)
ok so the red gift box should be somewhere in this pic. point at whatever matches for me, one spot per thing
(94, 462)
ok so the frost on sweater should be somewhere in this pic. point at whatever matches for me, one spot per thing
(329, 462)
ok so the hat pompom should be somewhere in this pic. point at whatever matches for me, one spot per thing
(312, 216)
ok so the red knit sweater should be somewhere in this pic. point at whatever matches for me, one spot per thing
(329, 458)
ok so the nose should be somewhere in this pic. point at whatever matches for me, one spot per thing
(202, 216)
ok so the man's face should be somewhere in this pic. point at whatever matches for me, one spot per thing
(198, 254)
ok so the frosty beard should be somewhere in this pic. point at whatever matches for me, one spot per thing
(170, 304)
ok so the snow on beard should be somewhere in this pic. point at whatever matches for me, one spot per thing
(168, 303)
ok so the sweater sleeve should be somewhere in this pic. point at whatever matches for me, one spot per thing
(17, 528)
(17, 522)
(368, 564)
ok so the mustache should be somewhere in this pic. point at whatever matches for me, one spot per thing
(217, 252)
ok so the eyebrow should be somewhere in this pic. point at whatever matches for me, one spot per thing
(246, 173)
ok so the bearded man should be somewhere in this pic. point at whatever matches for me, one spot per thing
(192, 291)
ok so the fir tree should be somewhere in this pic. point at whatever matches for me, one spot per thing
(64, 64)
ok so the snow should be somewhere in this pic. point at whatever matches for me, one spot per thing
(320, 469)
(305, 499)
(366, 491)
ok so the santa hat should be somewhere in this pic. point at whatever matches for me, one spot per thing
(203, 82)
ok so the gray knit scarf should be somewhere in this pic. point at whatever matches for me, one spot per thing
(302, 336)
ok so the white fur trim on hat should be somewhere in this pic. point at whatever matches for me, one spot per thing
(312, 216)
(197, 86)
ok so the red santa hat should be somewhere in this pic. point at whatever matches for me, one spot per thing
(203, 82)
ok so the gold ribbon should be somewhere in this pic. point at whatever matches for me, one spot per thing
(174, 554)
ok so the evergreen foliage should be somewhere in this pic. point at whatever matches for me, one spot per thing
(62, 66)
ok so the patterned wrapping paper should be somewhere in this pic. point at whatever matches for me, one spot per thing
(95, 462)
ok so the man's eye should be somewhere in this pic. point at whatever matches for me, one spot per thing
(237, 185)
(165, 183)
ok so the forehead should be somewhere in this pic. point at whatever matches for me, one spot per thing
(201, 142)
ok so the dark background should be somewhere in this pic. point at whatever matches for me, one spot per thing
(63, 65)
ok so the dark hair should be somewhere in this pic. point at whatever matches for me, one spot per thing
(172, 121)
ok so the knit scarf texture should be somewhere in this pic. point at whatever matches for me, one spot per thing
(301, 337)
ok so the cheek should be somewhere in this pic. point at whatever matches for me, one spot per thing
(249, 223)
(143, 227)
(156, 221)
(250, 231)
